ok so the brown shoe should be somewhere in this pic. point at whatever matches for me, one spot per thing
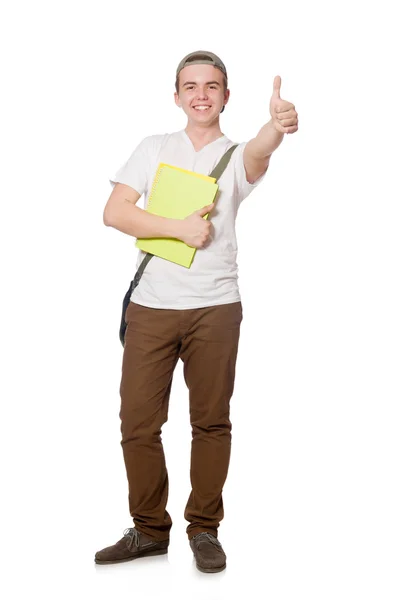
(208, 552)
(133, 544)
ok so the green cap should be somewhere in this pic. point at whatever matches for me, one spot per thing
(202, 57)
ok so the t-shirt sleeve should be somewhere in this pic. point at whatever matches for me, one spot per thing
(244, 188)
(134, 172)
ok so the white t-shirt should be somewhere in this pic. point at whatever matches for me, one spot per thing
(213, 274)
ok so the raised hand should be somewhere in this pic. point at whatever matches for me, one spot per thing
(283, 113)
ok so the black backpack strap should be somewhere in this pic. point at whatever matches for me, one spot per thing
(126, 301)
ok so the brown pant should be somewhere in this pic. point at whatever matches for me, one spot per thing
(206, 339)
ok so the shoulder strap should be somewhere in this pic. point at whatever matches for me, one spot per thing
(140, 270)
(222, 164)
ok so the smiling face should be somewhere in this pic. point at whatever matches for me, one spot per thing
(202, 93)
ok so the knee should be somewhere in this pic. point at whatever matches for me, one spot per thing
(136, 428)
(211, 427)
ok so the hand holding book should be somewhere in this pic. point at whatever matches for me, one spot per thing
(195, 229)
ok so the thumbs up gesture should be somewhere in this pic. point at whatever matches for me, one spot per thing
(283, 113)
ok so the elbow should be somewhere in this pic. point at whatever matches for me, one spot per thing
(106, 219)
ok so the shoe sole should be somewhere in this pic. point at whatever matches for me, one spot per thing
(141, 555)
(213, 570)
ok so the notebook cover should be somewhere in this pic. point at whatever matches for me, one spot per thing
(176, 193)
(190, 172)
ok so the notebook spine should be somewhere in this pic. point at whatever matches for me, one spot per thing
(155, 182)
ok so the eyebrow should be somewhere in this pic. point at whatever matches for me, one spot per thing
(194, 83)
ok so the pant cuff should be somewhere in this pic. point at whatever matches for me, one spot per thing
(192, 532)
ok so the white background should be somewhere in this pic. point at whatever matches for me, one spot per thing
(310, 500)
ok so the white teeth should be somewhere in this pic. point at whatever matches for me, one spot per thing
(201, 107)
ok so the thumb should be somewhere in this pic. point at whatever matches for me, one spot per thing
(206, 209)
(276, 86)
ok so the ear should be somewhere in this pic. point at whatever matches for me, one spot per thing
(226, 97)
(176, 98)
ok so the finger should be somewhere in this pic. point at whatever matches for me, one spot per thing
(205, 209)
(287, 114)
(288, 122)
(284, 106)
(276, 86)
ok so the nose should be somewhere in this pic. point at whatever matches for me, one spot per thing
(202, 94)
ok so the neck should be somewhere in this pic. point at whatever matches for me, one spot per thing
(204, 134)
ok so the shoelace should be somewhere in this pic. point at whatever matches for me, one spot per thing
(205, 536)
(133, 536)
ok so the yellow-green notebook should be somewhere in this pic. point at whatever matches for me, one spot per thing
(176, 193)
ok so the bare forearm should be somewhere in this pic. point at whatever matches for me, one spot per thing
(266, 142)
(134, 221)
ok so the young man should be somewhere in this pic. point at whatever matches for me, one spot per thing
(193, 314)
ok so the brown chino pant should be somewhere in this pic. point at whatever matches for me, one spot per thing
(206, 340)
